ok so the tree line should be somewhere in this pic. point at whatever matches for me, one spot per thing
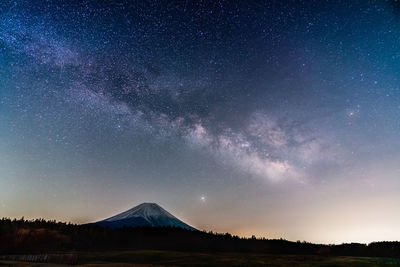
(20, 236)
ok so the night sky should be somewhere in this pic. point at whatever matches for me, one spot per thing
(272, 118)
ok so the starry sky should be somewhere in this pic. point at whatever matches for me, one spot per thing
(272, 118)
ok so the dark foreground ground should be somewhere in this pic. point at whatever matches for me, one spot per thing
(43, 242)
(143, 258)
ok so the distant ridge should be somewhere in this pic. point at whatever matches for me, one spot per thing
(145, 214)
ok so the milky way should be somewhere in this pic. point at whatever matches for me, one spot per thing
(271, 104)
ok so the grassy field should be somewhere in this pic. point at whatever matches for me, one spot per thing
(231, 259)
(174, 258)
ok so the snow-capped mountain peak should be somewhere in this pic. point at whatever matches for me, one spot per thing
(144, 210)
(145, 214)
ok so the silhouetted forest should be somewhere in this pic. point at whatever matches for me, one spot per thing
(41, 236)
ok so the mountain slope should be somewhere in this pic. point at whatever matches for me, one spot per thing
(145, 214)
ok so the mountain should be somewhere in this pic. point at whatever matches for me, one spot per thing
(145, 214)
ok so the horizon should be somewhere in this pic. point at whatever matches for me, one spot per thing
(248, 235)
(219, 233)
(276, 119)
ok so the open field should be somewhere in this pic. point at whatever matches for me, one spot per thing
(144, 258)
